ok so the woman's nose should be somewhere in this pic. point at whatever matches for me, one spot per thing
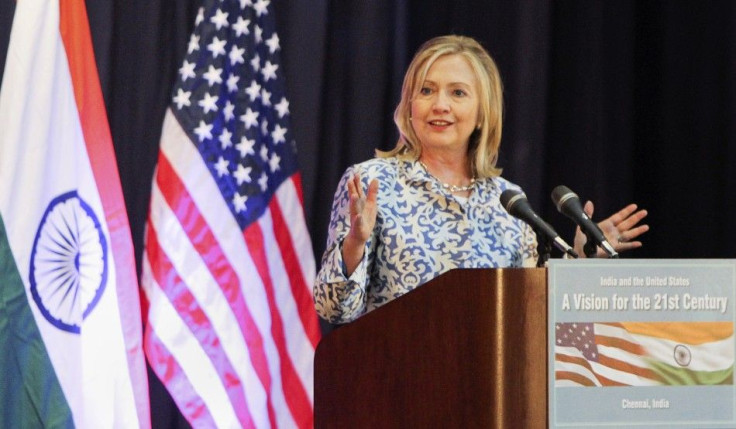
(441, 102)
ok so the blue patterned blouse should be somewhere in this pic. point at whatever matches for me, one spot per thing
(421, 232)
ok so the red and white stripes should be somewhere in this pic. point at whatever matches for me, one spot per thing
(231, 328)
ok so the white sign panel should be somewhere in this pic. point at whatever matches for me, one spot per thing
(641, 343)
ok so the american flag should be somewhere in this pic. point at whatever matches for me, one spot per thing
(598, 354)
(228, 265)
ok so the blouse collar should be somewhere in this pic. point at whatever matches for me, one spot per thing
(485, 188)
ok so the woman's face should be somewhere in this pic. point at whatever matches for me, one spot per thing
(445, 110)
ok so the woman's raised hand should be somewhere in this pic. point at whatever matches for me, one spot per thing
(621, 229)
(363, 211)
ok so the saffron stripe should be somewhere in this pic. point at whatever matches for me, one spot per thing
(203, 240)
(690, 332)
(198, 323)
(296, 397)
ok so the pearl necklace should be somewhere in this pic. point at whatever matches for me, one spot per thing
(450, 188)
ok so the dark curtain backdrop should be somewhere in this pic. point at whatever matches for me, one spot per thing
(621, 101)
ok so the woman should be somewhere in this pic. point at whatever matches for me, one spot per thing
(432, 203)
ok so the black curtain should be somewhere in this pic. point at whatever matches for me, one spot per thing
(621, 101)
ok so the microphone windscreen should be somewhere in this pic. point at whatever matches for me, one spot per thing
(562, 194)
(509, 197)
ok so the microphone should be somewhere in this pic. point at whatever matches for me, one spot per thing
(568, 203)
(517, 205)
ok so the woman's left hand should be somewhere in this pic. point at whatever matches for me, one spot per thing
(621, 229)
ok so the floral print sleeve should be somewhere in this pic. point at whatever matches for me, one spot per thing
(421, 232)
(337, 297)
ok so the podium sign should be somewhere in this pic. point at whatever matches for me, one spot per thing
(641, 343)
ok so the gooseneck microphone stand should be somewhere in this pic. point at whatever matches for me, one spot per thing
(544, 248)
(591, 248)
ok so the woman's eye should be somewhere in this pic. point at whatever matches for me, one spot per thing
(458, 93)
(425, 91)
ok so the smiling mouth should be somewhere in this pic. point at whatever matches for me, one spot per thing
(439, 123)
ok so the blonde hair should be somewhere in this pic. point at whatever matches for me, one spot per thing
(484, 141)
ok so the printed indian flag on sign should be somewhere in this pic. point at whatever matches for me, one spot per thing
(644, 353)
(70, 324)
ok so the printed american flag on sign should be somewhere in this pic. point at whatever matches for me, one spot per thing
(228, 265)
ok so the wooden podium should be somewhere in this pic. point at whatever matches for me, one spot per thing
(466, 350)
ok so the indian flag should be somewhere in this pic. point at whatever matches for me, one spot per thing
(70, 322)
(685, 353)
(644, 353)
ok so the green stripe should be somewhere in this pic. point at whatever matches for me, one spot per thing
(678, 376)
(30, 393)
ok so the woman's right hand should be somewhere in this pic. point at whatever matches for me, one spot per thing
(363, 211)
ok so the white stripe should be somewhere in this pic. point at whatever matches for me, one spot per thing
(608, 372)
(568, 383)
(195, 273)
(623, 376)
(300, 347)
(611, 331)
(713, 356)
(293, 211)
(297, 342)
(186, 350)
(573, 367)
(188, 164)
(42, 155)
(622, 355)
